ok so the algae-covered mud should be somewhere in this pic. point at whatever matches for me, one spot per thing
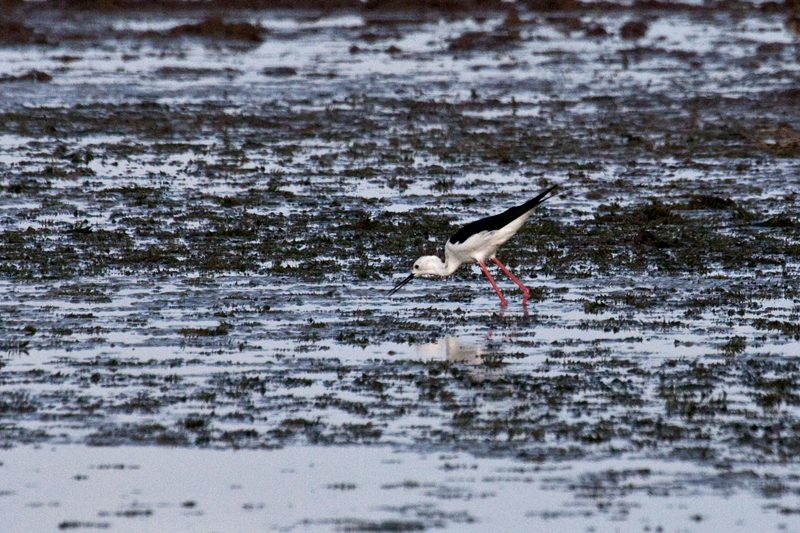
(201, 215)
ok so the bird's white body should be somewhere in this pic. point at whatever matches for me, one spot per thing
(476, 249)
(477, 242)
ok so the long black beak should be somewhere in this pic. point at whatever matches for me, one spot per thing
(401, 284)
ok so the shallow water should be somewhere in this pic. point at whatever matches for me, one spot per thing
(368, 488)
(196, 253)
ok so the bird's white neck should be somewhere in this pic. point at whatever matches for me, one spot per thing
(449, 266)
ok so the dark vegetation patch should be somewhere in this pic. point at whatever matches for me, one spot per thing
(480, 40)
(35, 76)
(131, 433)
(633, 29)
(183, 73)
(221, 329)
(108, 6)
(217, 28)
(13, 32)
(445, 6)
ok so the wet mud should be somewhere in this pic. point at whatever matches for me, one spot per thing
(201, 217)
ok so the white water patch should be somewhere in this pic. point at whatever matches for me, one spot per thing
(318, 488)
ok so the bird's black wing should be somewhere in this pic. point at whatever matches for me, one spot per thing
(495, 222)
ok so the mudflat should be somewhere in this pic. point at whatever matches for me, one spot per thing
(201, 212)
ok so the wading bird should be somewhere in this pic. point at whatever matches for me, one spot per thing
(478, 241)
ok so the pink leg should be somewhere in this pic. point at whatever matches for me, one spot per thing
(503, 301)
(525, 291)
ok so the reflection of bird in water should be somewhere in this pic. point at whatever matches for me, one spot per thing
(451, 349)
(457, 352)
(478, 241)
(454, 350)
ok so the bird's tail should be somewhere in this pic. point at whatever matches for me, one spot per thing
(542, 197)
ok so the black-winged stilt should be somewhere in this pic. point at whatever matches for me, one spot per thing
(478, 241)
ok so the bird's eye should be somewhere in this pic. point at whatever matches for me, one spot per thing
(416, 267)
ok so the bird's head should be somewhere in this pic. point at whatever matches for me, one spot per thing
(427, 265)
